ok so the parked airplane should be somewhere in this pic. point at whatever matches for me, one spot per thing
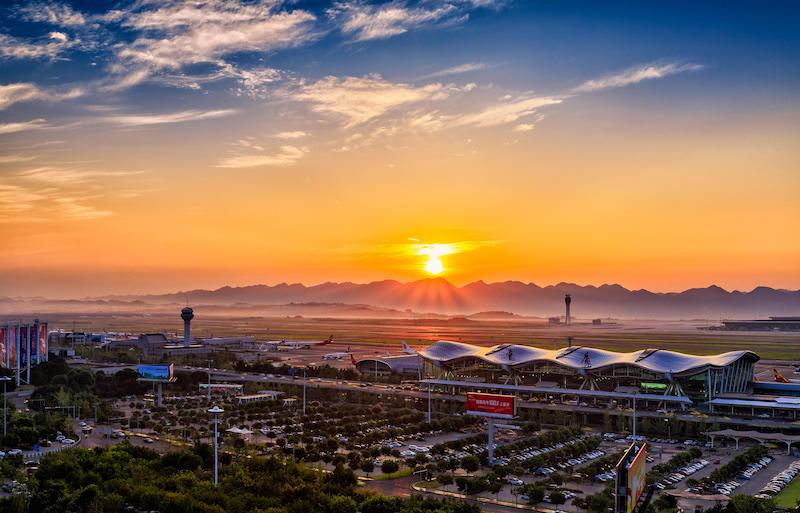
(780, 379)
(286, 345)
(337, 356)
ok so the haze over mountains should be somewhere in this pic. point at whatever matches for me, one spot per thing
(437, 295)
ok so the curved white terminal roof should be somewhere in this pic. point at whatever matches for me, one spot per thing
(580, 358)
(398, 363)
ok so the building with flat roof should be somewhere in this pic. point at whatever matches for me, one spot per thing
(771, 324)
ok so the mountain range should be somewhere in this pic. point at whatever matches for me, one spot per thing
(437, 295)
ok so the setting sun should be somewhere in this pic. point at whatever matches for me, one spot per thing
(434, 265)
(434, 252)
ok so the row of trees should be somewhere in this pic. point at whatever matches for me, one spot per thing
(736, 465)
(679, 460)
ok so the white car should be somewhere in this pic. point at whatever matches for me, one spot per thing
(68, 441)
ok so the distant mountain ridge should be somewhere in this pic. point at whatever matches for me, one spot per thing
(440, 296)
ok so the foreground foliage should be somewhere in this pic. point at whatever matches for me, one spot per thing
(128, 478)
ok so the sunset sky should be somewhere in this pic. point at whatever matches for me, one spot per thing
(155, 146)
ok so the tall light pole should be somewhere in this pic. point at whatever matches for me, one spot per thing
(216, 411)
(429, 403)
(634, 416)
(305, 383)
(5, 380)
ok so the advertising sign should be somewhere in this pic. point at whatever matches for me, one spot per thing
(13, 346)
(24, 345)
(33, 332)
(631, 478)
(637, 471)
(4, 346)
(43, 356)
(164, 373)
(490, 405)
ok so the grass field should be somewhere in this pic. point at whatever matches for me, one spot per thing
(789, 495)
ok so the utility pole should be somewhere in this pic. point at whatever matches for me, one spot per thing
(216, 411)
(209, 380)
(5, 380)
(429, 403)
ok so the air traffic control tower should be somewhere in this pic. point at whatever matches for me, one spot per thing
(187, 314)
(567, 301)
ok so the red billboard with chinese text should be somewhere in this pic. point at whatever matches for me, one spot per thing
(490, 405)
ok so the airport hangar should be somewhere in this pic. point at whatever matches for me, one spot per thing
(652, 378)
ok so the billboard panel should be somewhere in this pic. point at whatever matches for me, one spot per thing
(24, 345)
(13, 346)
(631, 478)
(4, 346)
(637, 471)
(34, 341)
(163, 373)
(43, 355)
(490, 405)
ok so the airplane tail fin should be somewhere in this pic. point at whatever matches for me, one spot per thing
(327, 341)
(779, 377)
(352, 359)
(407, 349)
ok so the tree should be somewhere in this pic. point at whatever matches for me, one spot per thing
(367, 466)
(389, 466)
(557, 498)
(445, 479)
(342, 504)
(470, 463)
(379, 504)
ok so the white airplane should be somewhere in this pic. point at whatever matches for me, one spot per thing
(286, 345)
(337, 356)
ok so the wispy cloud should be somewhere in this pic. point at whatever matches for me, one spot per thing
(507, 111)
(69, 175)
(637, 74)
(13, 159)
(175, 117)
(177, 34)
(15, 199)
(72, 208)
(53, 13)
(365, 21)
(12, 47)
(287, 156)
(26, 91)
(457, 70)
(34, 124)
(361, 99)
(296, 134)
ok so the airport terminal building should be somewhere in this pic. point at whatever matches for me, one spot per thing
(667, 378)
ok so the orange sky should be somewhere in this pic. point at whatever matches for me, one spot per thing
(228, 143)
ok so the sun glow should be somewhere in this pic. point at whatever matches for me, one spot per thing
(434, 252)
(434, 265)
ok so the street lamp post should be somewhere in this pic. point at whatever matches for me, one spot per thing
(5, 380)
(634, 416)
(429, 403)
(216, 411)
